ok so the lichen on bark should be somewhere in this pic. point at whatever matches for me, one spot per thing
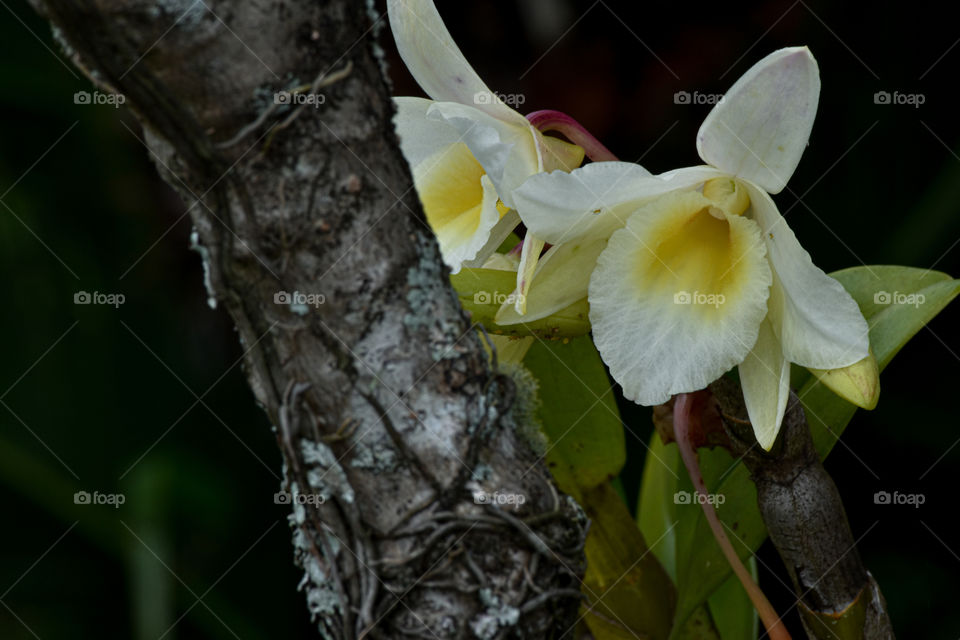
(382, 397)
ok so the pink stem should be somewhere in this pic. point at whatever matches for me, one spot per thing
(682, 417)
(549, 120)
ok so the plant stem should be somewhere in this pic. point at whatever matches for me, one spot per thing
(682, 419)
(549, 120)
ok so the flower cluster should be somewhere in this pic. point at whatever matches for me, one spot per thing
(688, 273)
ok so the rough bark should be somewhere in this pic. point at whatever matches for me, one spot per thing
(382, 397)
(804, 514)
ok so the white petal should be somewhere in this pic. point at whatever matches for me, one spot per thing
(508, 152)
(561, 278)
(436, 62)
(459, 201)
(508, 222)
(761, 127)
(595, 200)
(421, 137)
(816, 320)
(765, 378)
(529, 257)
(678, 296)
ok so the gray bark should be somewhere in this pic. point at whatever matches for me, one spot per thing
(805, 517)
(382, 397)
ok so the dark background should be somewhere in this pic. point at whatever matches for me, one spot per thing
(102, 399)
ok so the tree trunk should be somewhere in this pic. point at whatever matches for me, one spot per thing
(386, 410)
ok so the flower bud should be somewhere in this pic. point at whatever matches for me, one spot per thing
(858, 383)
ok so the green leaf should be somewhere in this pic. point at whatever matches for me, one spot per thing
(578, 413)
(891, 327)
(657, 519)
(699, 626)
(657, 510)
(866, 284)
(509, 243)
(701, 567)
(483, 291)
(664, 475)
(731, 609)
(728, 615)
(628, 594)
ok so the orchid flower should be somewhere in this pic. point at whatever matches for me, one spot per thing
(700, 272)
(468, 150)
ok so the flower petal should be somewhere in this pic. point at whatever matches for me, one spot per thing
(761, 127)
(420, 137)
(459, 201)
(678, 296)
(595, 200)
(529, 257)
(499, 233)
(436, 62)
(765, 378)
(561, 278)
(815, 319)
(508, 152)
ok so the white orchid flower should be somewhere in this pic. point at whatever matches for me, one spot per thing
(467, 148)
(693, 282)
